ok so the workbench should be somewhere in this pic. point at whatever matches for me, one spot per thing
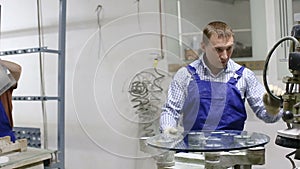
(32, 158)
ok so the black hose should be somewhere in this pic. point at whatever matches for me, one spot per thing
(267, 62)
(292, 161)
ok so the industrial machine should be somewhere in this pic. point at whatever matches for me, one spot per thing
(289, 137)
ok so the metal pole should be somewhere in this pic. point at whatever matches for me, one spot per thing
(61, 84)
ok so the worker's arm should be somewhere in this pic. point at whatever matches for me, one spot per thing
(14, 68)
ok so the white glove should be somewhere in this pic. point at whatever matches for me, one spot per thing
(272, 105)
(170, 131)
(173, 133)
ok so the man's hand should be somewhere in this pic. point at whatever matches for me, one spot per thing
(272, 105)
(171, 131)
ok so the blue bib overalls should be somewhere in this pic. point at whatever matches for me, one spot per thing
(5, 128)
(213, 105)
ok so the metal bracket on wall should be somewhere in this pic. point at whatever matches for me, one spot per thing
(34, 98)
(27, 50)
(33, 135)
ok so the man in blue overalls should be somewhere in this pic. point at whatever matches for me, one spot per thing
(210, 93)
(6, 120)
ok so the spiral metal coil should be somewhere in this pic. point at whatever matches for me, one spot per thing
(144, 89)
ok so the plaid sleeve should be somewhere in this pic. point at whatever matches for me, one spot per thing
(254, 94)
(175, 99)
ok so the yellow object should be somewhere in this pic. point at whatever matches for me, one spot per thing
(155, 62)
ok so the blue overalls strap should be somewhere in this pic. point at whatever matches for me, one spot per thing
(237, 75)
(193, 72)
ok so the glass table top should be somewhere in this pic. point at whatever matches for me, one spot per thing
(209, 141)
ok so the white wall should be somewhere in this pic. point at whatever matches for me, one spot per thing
(100, 132)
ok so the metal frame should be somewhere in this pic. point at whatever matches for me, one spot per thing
(60, 164)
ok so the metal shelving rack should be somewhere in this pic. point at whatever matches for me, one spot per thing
(60, 164)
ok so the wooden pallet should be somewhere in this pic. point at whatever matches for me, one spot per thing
(7, 146)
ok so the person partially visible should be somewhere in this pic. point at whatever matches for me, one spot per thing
(210, 93)
(6, 118)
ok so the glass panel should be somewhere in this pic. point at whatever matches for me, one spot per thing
(209, 141)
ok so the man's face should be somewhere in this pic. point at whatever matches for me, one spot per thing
(218, 51)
